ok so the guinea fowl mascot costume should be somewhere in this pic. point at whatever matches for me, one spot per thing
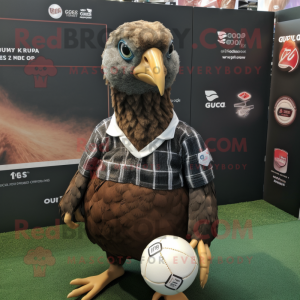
(144, 173)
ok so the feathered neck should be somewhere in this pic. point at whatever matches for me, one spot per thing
(144, 117)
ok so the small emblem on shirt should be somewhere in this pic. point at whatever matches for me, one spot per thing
(204, 158)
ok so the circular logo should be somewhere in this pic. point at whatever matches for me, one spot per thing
(285, 110)
(202, 156)
(55, 11)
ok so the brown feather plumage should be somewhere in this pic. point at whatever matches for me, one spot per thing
(123, 218)
(142, 117)
(143, 34)
(203, 213)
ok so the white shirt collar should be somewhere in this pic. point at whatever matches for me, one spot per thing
(114, 130)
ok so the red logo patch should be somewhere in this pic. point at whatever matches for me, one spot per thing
(244, 96)
(289, 56)
(280, 160)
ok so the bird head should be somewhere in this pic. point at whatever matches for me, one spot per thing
(139, 57)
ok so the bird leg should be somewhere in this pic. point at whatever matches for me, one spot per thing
(205, 259)
(94, 284)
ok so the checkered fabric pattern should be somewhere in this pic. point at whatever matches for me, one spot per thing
(172, 165)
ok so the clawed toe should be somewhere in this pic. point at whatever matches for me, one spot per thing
(95, 284)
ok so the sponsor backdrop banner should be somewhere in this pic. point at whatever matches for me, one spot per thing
(230, 93)
(52, 94)
(283, 145)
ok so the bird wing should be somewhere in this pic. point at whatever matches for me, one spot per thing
(73, 195)
(203, 213)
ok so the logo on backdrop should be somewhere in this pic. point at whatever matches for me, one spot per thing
(294, 38)
(19, 175)
(71, 13)
(52, 200)
(285, 111)
(86, 13)
(234, 39)
(280, 160)
(229, 38)
(233, 44)
(55, 11)
(211, 96)
(222, 37)
(289, 56)
(242, 109)
(40, 68)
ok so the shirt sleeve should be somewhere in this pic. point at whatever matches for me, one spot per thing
(197, 161)
(92, 154)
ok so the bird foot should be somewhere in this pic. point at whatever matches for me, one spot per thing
(180, 296)
(94, 284)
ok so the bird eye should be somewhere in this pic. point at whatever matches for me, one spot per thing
(125, 51)
(171, 49)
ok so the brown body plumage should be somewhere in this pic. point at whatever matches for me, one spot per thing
(123, 218)
(142, 117)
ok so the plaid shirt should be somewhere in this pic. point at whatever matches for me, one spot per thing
(167, 164)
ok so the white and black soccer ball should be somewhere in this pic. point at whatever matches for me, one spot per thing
(169, 265)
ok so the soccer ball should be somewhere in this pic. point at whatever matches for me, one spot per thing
(169, 265)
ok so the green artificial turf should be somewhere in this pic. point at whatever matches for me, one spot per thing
(262, 264)
(254, 213)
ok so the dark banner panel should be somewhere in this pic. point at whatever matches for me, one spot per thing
(288, 14)
(30, 197)
(283, 145)
(230, 92)
(52, 94)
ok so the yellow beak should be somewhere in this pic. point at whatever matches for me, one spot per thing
(152, 69)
